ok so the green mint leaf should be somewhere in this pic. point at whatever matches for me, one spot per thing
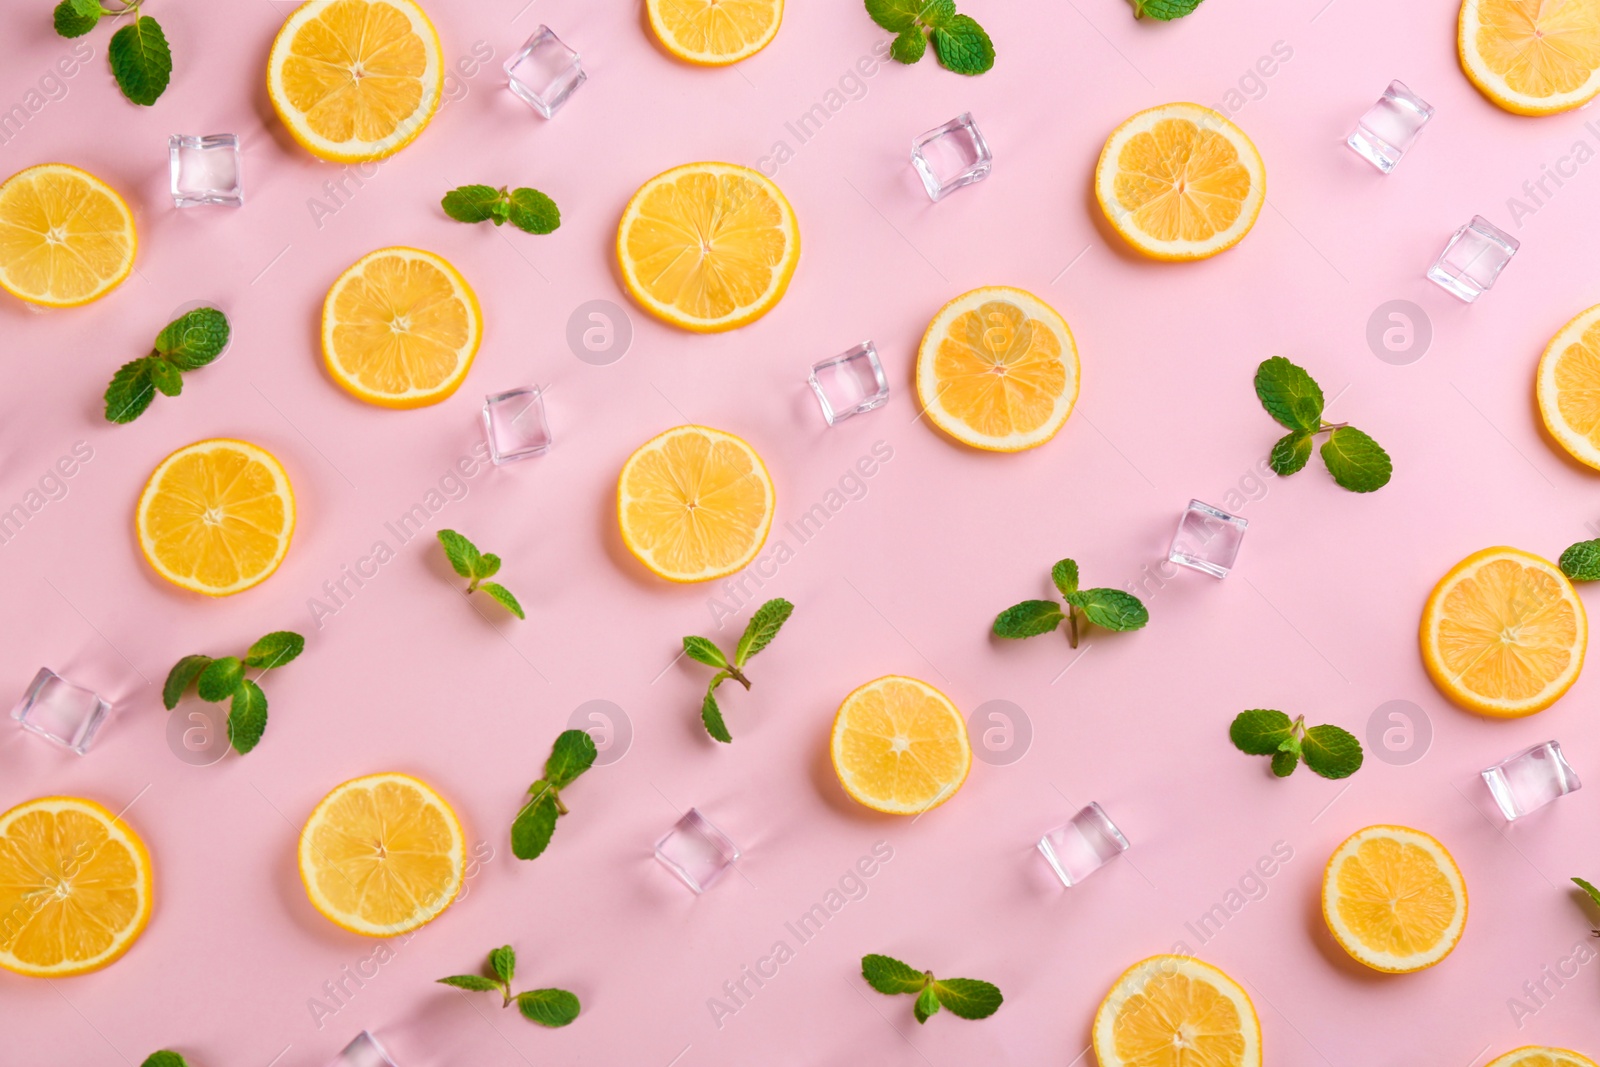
(968, 998)
(1356, 461)
(165, 377)
(888, 975)
(927, 1004)
(131, 391)
(473, 983)
(704, 651)
(140, 60)
(1331, 751)
(471, 203)
(711, 715)
(220, 678)
(70, 21)
(549, 1007)
(1587, 887)
(1111, 608)
(462, 554)
(1290, 454)
(1065, 575)
(532, 212)
(488, 566)
(87, 7)
(275, 649)
(909, 46)
(1284, 763)
(503, 962)
(501, 211)
(1289, 394)
(1581, 562)
(1165, 10)
(531, 830)
(763, 627)
(503, 597)
(184, 672)
(571, 755)
(894, 15)
(1028, 619)
(247, 717)
(164, 1058)
(963, 46)
(195, 339)
(1260, 732)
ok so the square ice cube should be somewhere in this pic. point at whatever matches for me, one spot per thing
(850, 383)
(1390, 126)
(1086, 843)
(1526, 782)
(951, 156)
(363, 1051)
(697, 852)
(545, 72)
(205, 170)
(1208, 539)
(67, 714)
(1473, 259)
(515, 424)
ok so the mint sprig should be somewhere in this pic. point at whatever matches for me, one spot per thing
(164, 1058)
(966, 998)
(1165, 10)
(141, 59)
(1594, 895)
(758, 634)
(187, 343)
(1111, 609)
(528, 210)
(477, 566)
(1293, 398)
(959, 42)
(547, 1007)
(216, 680)
(1581, 562)
(571, 755)
(1329, 751)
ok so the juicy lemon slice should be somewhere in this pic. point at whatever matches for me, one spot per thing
(998, 369)
(216, 517)
(355, 80)
(382, 855)
(714, 33)
(1175, 1011)
(1504, 633)
(66, 237)
(1180, 182)
(75, 887)
(1393, 898)
(1541, 1056)
(1532, 57)
(708, 246)
(694, 504)
(1569, 387)
(900, 746)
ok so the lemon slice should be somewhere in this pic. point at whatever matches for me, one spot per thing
(216, 516)
(900, 746)
(1180, 182)
(66, 237)
(708, 246)
(1393, 898)
(1504, 633)
(382, 855)
(1541, 1056)
(714, 33)
(355, 80)
(998, 370)
(75, 887)
(1175, 1011)
(400, 328)
(1568, 387)
(1531, 57)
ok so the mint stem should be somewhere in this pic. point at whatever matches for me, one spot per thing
(561, 809)
(737, 675)
(1329, 427)
(1072, 626)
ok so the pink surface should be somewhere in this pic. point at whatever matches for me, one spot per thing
(905, 577)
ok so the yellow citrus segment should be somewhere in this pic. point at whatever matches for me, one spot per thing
(66, 237)
(694, 503)
(75, 887)
(708, 246)
(1180, 182)
(216, 516)
(1504, 633)
(900, 746)
(355, 80)
(1393, 898)
(998, 369)
(1532, 57)
(400, 328)
(1568, 387)
(714, 33)
(1175, 1011)
(1541, 1056)
(382, 855)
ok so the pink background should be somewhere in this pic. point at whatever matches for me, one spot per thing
(1319, 617)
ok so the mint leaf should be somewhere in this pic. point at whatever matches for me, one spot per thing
(927, 1004)
(1028, 619)
(888, 975)
(71, 21)
(1165, 10)
(1291, 452)
(87, 7)
(1289, 394)
(1331, 751)
(247, 717)
(1594, 894)
(704, 651)
(531, 830)
(140, 60)
(571, 755)
(471, 203)
(1581, 562)
(462, 554)
(275, 649)
(165, 377)
(1284, 763)
(894, 15)
(164, 1058)
(1356, 461)
(968, 998)
(1111, 608)
(475, 983)
(185, 671)
(548, 1007)
(131, 390)
(194, 339)
(503, 597)
(763, 627)
(909, 46)
(1065, 575)
(488, 566)
(532, 212)
(503, 962)
(711, 715)
(1260, 732)
(220, 678)
(963, 46)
